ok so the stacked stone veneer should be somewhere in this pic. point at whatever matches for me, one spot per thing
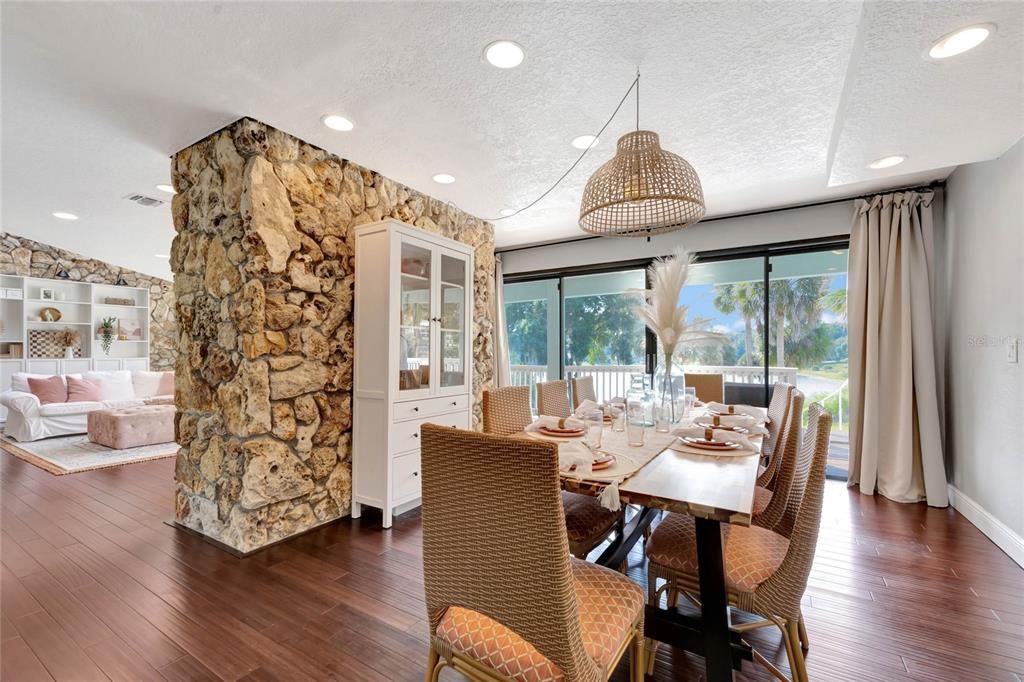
(27, 258)
(263, 273)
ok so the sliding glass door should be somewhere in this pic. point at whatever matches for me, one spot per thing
(604, 339)
(532, 317)
(807, 336)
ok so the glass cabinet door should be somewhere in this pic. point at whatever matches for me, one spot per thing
(454, 319)
(414, 317)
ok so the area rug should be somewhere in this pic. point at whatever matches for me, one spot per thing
(74, 454)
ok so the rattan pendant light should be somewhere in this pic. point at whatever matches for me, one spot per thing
(643, 190)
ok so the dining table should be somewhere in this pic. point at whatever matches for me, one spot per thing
(714, 489)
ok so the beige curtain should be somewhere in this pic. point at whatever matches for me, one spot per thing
(895, 434)
(502, 370)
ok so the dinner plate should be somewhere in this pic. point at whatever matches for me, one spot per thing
(603, 462)
(561, 433)
(710, 445)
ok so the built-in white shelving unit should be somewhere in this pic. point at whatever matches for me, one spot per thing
(82, 307)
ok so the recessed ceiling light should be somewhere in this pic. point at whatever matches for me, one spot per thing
(585, 141)
(444, 179)
(162, 255)
(336, 122)
(166, 188)
(64, 216)
(506, 212)
(887, 162)
(960, 41)
(504, 54)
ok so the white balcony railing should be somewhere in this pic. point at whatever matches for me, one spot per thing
(614, 380)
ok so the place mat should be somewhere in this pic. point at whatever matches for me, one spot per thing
(680, 446)
(628, 459)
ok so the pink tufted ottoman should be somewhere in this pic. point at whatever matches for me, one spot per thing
(130, 427)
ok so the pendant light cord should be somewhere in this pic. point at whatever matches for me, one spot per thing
(635, 84)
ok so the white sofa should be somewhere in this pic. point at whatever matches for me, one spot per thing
(28, 420)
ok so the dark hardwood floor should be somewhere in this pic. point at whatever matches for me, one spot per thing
(95, 585)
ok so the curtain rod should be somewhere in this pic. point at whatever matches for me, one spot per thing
(908, 188)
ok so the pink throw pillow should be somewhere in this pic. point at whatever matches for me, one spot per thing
(166, 386)
(48, 390)
(83, 390)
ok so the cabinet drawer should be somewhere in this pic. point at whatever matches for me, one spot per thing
(415, 409)
(405, 435)
(405, 477)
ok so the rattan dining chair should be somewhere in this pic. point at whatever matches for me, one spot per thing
(778, 412)
(765, 571)
(770, 503)
(553, 398)
(710, 388)
(506, 411)
(504, 599)
(582, 389)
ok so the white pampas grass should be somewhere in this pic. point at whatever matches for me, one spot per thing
(661, 311)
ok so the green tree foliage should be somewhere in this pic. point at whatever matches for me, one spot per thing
(797, 335)
(527, 323)
(603, 330)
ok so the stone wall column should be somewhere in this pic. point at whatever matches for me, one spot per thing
(263, 271)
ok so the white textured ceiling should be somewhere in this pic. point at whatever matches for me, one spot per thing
(773, 103)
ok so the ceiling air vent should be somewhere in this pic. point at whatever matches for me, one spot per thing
(143, 200)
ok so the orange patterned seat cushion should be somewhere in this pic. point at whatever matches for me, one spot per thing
(586, 520)
(609, 604)
(752, 554)
(762, 496)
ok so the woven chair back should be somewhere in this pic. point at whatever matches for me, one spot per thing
(819, 423)
(582, 389)
(506, 410)
(782, 592)
(494, 539)
(553, 398)
(709, 388)
(778, 410)
(786, 450)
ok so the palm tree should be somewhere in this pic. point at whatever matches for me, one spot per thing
(747, 298)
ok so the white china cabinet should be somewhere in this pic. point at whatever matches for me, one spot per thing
(413, 303)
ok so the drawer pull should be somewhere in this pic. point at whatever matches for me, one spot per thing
(415, 435)
(415, 409)
(415, 473)
(455, 403)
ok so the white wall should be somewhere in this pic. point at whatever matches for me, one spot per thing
(981, 269)
(780, 226)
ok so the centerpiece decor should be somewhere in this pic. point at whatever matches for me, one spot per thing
(68, 338)
(668, 320)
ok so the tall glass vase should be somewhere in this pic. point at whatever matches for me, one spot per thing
(670, 391)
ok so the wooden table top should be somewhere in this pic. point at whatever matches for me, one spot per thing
(708, 486)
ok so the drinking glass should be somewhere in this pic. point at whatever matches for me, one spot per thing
(617, 410)
(689, 399)
(636, 421)
(594, 424)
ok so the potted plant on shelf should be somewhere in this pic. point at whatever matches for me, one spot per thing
(69, 339)
(107, 333)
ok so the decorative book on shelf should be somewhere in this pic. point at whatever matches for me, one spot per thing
(111, 300)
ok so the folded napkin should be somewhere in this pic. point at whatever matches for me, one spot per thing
(587, 406)
(716, 434)
(575, 454)
(555, 423)
(755, 412)
(744, 420)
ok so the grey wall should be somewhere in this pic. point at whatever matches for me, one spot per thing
(767, 228)
(981, 272)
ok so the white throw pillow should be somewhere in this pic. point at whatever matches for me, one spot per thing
(19, 380)
(146, 383)
(113, 385)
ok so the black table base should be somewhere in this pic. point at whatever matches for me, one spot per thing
(709, 635)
